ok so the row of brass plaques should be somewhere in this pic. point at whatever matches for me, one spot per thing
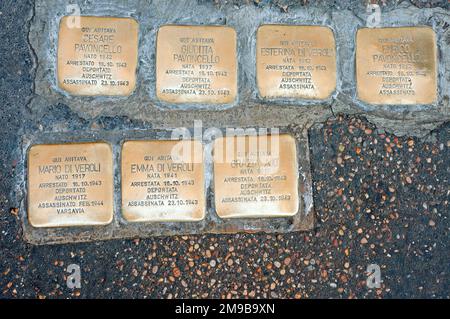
(162, 180)
(198, 64)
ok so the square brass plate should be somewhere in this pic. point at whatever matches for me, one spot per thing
(295, 61)
(70, 185)
(196, 64)
(256, 176)
(98, 56)
(396, 65)
(163, 181)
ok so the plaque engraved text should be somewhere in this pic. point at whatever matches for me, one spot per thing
(163, 180)
(70, 185)
(295, 61)
(196, 64)
(396, 65)
(256, 176)
(99, 57)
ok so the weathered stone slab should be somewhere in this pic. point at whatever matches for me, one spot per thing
(396, 65)
(295, 61)
(163, 181)
(141, 146)
(144, 104)
(97, 55)
(256, 176)
(70, 185)
(196, 64)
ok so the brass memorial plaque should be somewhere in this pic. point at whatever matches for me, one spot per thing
(70, 185)
(196, 64)
(98, 56)
(396, 65)
(295, 61)
(256, 176)
(163, 181)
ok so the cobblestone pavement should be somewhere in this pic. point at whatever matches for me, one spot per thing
(379, 199)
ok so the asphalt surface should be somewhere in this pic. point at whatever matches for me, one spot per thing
(379, 199)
